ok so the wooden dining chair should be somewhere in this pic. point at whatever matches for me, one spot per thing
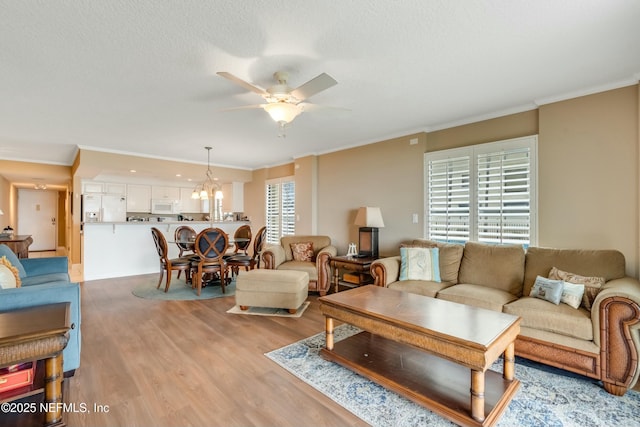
(249, 262)
(185, 238)
(168, 265)
(210, 247)
(241, 240)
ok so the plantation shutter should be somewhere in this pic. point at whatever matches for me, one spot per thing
(280, 199)
(448, 199)
(503, 196)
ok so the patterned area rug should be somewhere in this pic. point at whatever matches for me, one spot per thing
(266, 311)
(180, 291)
(547, 396)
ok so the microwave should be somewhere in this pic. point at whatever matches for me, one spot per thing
(165, 207)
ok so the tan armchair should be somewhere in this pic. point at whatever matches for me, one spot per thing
(280, 257)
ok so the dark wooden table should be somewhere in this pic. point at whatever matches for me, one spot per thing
(361, 266)
(34, 334)
(423, 348)
(18, 244)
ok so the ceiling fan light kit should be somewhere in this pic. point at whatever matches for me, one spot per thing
(284, 104)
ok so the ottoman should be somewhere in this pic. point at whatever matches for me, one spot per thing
(272, 288)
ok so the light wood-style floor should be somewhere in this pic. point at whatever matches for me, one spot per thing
(189, 363)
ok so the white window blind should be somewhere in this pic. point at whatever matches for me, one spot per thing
(281, 199)
(482, 193)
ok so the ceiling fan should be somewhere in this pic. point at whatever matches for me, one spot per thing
(283, 103)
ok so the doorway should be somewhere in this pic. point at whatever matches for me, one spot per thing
(38, 217)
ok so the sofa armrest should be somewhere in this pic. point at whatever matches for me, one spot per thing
(385, 270)
(273, 256)
(616, 329)
(49, 293)
(38, 266)
(323, 266)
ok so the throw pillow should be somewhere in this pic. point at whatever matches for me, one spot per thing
(420, 264)
(547, 289)
(9, 275)
(302, 251)
(572, 294)
(592, 285)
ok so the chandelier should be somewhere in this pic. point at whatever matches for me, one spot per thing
(209, 188)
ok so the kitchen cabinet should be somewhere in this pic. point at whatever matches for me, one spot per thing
(233, 194)
(189, 205)
(161, 192)
(92, 187)
(104, 188)
(115, 188)
(138, 198)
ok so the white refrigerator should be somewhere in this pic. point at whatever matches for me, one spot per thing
(104, 208)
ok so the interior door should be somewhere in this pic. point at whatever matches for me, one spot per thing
(37, 216)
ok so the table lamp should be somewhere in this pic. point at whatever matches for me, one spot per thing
(369, 219)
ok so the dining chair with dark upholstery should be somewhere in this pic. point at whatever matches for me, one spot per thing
(210, 246)
(249, 262)
(185, 238)
(168, 265)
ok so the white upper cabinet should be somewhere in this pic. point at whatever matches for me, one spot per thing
(115, 188)
(138, 198)
(187, 204)
(233, 197)
(92, 187)
(161, 192)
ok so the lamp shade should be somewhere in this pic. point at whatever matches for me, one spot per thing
(1, 213)
(369, 217)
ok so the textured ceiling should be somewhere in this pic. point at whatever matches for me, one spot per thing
(139, 77)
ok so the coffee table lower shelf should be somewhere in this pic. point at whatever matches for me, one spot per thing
(435, 383)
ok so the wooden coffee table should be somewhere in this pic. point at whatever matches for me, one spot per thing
(423, 349)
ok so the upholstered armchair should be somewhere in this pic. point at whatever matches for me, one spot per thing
(313, 259)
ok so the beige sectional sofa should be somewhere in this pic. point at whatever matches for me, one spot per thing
(602, 342)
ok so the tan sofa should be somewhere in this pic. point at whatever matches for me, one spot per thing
(280, 257)
(601, 343)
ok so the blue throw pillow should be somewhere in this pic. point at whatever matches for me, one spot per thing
(547, 289)
(420, 264)
(13, 259)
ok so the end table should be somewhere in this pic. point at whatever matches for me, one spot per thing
(361, 266)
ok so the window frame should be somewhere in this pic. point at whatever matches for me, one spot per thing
(473, 152)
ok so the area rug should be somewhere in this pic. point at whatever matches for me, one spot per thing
(265, 311)
(180, 291)
(547, 396)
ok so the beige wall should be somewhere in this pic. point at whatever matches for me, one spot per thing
(588, 173)
(5, 204)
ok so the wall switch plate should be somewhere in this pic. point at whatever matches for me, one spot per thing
(415, 218)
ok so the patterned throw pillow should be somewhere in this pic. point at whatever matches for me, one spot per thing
(592, 285)
(547, 289)
(302, 251)
(9, 275)
(420, 264)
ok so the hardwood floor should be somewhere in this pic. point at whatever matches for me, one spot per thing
(189, 363)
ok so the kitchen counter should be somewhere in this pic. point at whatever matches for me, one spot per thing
(117, 249)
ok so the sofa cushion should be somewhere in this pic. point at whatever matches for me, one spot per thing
(13, 259)
(545, 316)
(420, 287)
(419, 264)
(309, 267)
(609, 264)
(450, 257)
(477, 296)
(494, 266)
(45, 278)
(302, 251)
(591, 285)
(547, 289)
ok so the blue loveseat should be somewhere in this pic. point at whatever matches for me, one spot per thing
(46, 281)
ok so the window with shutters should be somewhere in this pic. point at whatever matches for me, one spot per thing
(484, 193)
(281, 208)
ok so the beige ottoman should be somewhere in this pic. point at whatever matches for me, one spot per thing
(272, 288)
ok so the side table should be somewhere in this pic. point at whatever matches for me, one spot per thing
(361, 266)
(34, 334)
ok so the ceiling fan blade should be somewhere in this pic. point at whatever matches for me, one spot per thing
(240, 82)
(244, 107)
(307, 106)
(313, 86)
